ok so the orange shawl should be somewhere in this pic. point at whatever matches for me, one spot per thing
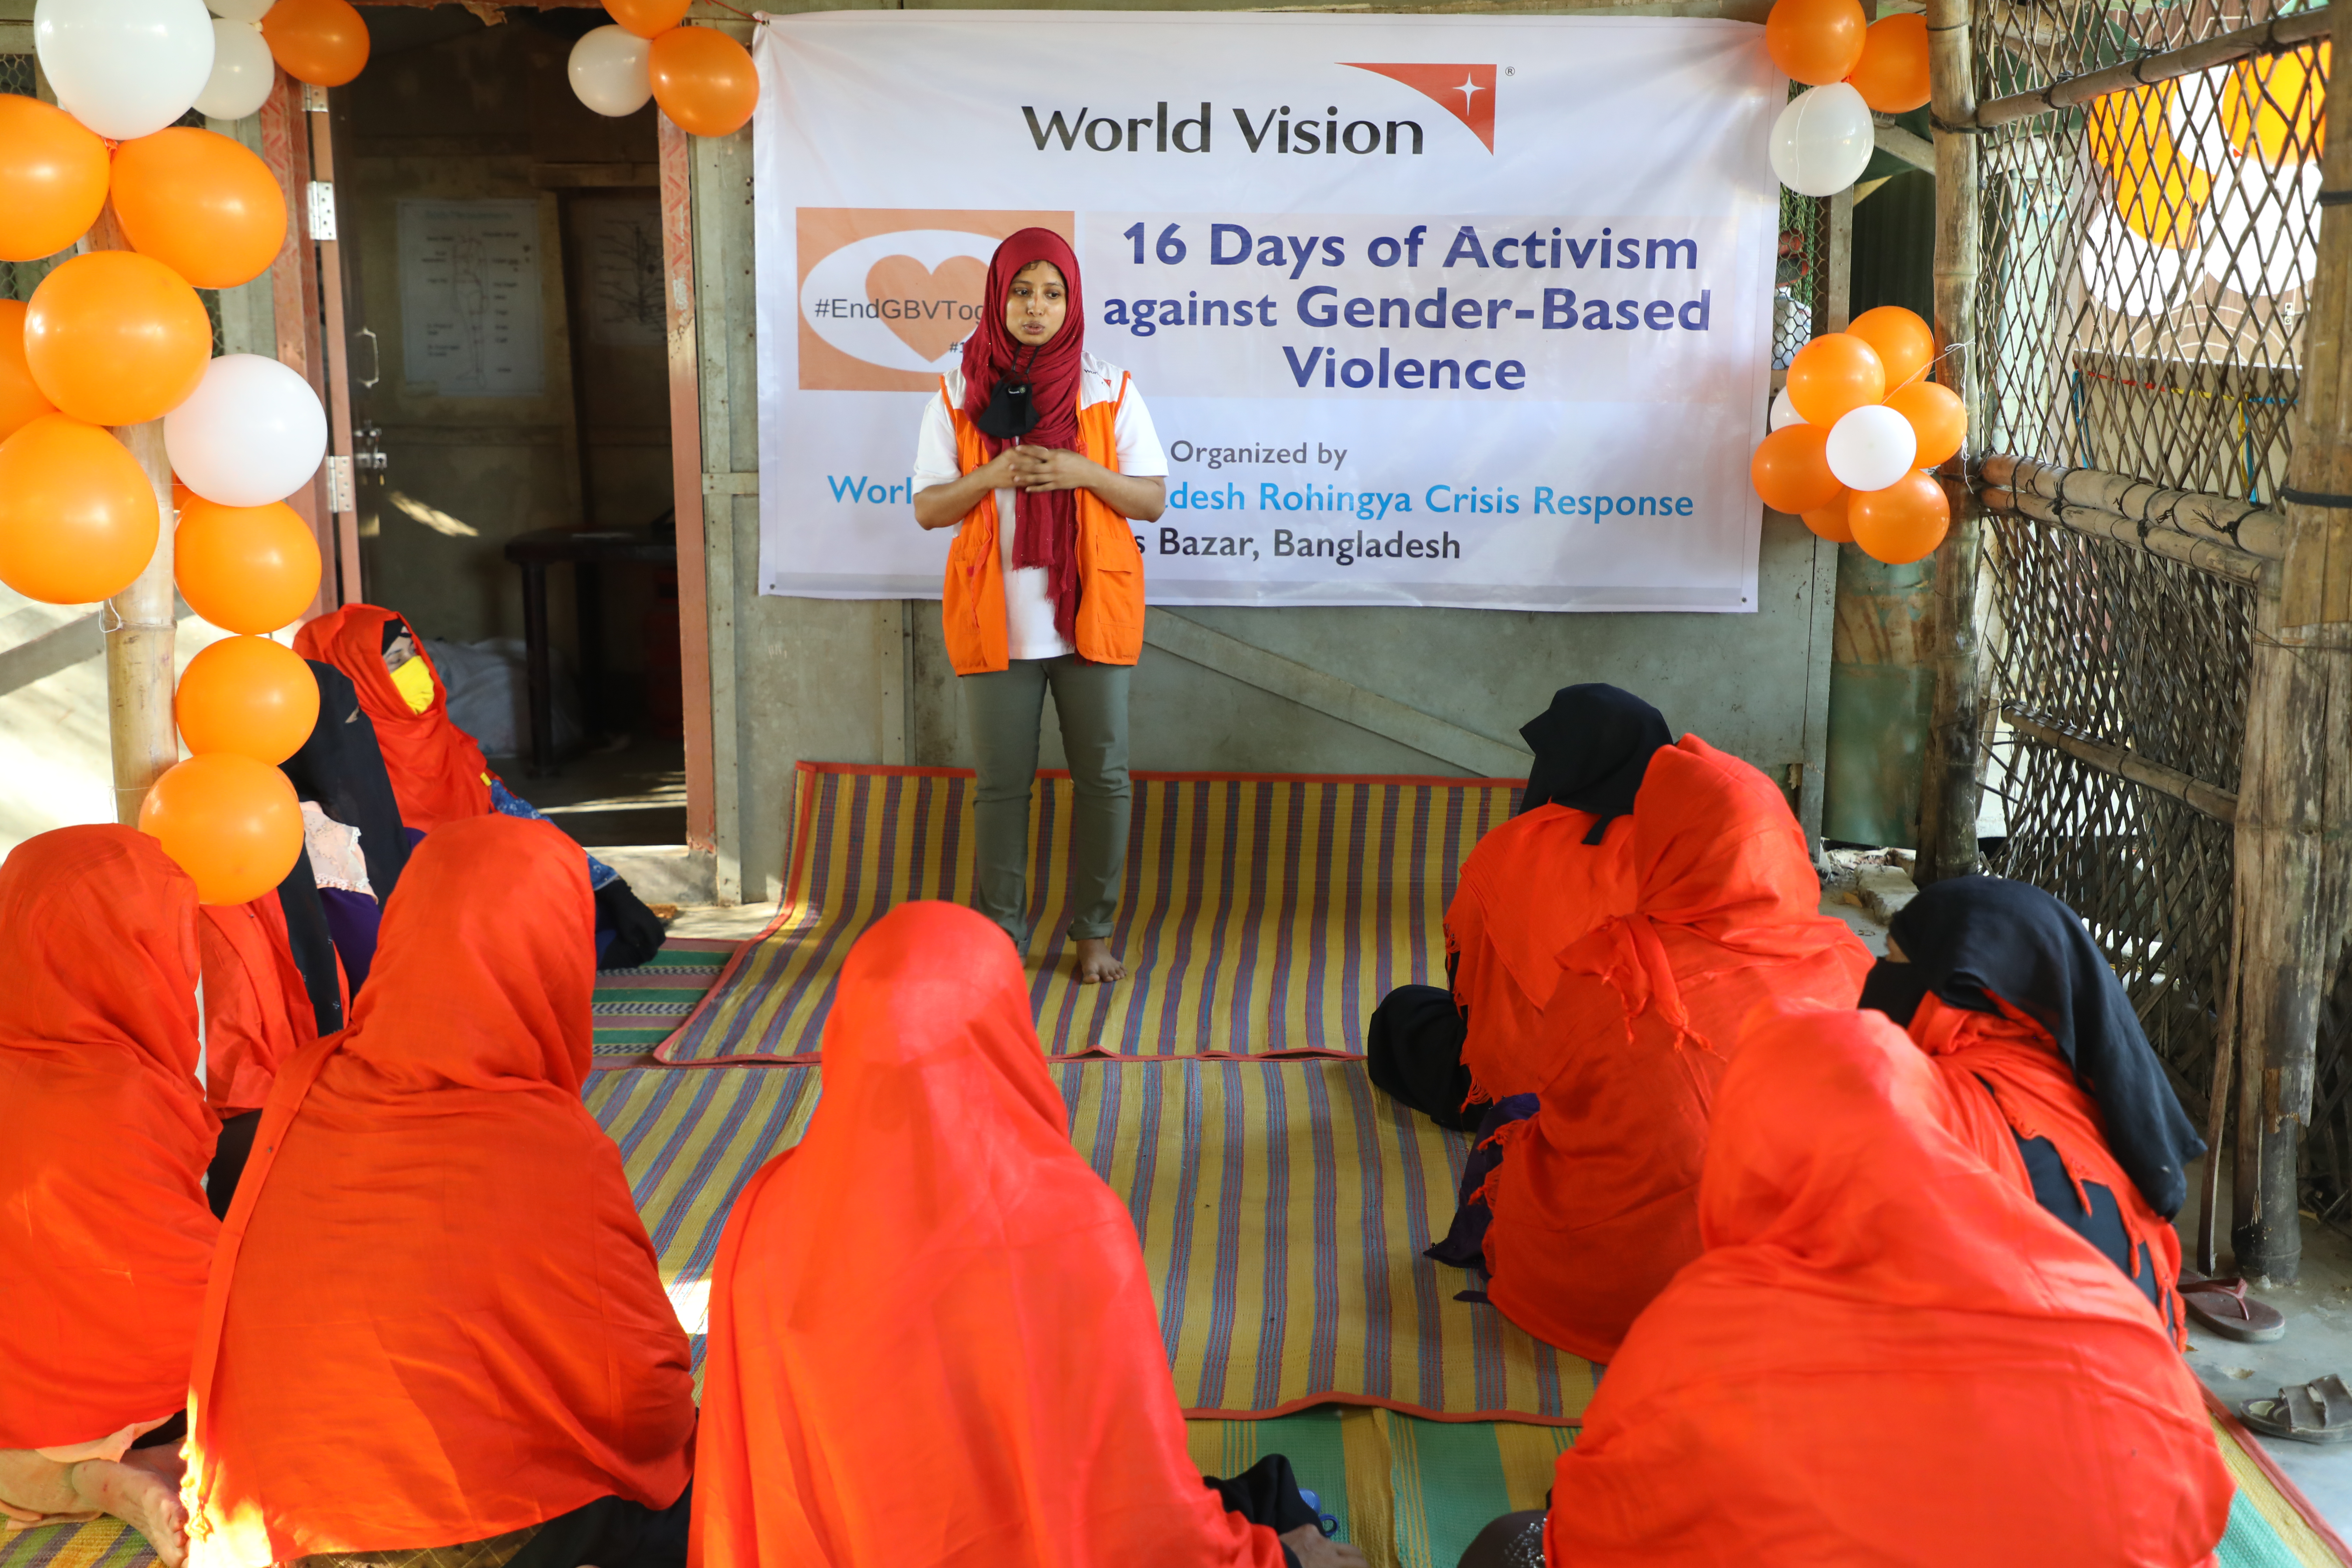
(1530, 888)
(2010, 1081)
(932, 1343)
(1888, 1354)
(258, 1012)
(104, 1234)
(1595, 1201)
(437, 772)
(436, 1317)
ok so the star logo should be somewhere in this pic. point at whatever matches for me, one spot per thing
(1464, 91)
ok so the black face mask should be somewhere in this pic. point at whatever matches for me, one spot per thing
(1895, 989)
(1010, 414)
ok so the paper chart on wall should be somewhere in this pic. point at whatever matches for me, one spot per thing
(470, 299)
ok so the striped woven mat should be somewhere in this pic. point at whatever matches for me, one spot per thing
(634, 1010)
(1283, 1207)
(1262, 914)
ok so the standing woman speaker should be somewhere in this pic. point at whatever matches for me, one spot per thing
(1039, 455)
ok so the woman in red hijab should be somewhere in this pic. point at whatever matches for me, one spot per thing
(932, 1343)
(104, 1234)
(1038, 455)
(1594, 1202)
(1888, 1354)
(1529, 889)
(435, 1320)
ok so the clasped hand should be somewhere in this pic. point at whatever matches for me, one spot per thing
(1027, 468)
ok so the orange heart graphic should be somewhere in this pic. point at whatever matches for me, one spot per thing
(934, 302)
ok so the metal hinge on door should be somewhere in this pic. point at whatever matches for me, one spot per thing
(322, 210)
(343, 491)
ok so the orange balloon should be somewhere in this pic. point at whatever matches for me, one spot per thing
(244, 568)
(201, 204)
(647, 19)
(1891, 75)
(21, 402)
(322, 42)
(704, 80)
(181, 496)
(78, 518)
(116, 338)
(1905, 343)
(1792, 469)
(2276, 106)
(1901, 523)
(1937, 416)
(231, 823)
(1815, 42)
(1830, 522)
(1833, 375)
(52, 179)
(250, 696)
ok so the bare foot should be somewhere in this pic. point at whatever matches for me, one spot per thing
(141, 1499)
(1098, 965)
(1306, 1543)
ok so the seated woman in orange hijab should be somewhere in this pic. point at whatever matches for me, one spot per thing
(1529, 887)
(435, 1320)
(932, 1343)
(104, 1234)
(2001, 985)
(1888, 1354)
(1594, 1200)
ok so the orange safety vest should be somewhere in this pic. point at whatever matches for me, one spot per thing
(1110, 567)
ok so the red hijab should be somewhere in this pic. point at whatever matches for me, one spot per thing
(932, 1343)
(1047, 534)
(258, 1011)
(436, 1317)
(1595, 1203)
(104, 1234)
(1888, 1354)
(437, 772)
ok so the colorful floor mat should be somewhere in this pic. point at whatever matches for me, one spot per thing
(1262, 915)
(1283, 1207)
(636, 1009)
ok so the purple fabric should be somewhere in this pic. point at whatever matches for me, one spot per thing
(1465, 1246)
(352, 920)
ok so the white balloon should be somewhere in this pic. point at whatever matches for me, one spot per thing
(1869, 448)
(243, 72)
(125, 68)
(242, 10)
(252, 433)
(1822, 141)
(1784, 412)
(609, 70)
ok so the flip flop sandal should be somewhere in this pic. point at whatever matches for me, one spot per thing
(1323, 1522)
(2223, 1307)
(2319, 1411)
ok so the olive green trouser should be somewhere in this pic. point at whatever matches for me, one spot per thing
(1004, 709)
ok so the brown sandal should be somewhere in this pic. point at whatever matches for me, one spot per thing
(2319, 1411)
(2223, 1307)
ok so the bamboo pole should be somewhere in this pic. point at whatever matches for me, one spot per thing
(1949, 786)
(2240, 566)
(2267, 38)
(140, 626)
(2290, 882)
(2124, 763)
(2245, 526)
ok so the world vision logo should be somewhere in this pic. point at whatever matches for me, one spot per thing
(887, 293)
(1464, 91)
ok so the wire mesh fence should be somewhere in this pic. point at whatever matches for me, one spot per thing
(2145, 267)
(1800, 293)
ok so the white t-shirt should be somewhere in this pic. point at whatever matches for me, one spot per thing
(1028, 605)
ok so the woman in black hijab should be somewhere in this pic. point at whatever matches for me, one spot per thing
(1530, 888)
(2002, 984)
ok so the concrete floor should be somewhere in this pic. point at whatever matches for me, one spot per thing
(633, 794)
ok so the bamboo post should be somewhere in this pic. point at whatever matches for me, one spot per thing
(2290, 881)
(1948, 788)
(141, 628)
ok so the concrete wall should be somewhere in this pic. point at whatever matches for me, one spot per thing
(868, 682)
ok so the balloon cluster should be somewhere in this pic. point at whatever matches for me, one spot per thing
(118, 337)
(702, 79)
(1822, 141)
(1853, 434)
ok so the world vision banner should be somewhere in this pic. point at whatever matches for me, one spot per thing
(1426, 310)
